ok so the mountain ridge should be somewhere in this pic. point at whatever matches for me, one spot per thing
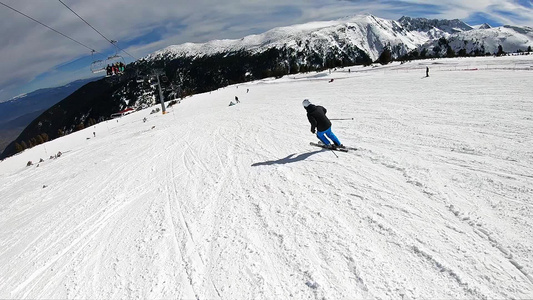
(347, 30)
(369, 33)
(17, 112)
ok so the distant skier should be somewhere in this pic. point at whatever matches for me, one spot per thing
(317, 117)
(237, 99)
(427, 71)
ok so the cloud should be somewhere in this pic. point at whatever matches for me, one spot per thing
(33, 56)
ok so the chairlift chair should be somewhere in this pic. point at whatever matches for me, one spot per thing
(140, 78)
(115, 59)
(98, 66)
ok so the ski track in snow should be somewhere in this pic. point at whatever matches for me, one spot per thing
(217, 202)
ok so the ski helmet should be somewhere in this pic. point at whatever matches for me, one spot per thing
(306, 103)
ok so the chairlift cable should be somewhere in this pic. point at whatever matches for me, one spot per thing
(48, 27)
(112, 42)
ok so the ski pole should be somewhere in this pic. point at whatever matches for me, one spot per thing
(342, 119)
(334, 153)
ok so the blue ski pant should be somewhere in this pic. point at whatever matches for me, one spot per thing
(321, 135)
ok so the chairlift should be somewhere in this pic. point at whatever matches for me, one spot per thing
(115, 59)
(140, 77)
(114, 65)
(98, 65)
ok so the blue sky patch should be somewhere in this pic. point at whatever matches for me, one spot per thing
(480, 18)
(156, 34)
(525, 3)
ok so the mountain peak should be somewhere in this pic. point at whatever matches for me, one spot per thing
(423, 24)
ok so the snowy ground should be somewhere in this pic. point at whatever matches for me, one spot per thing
(218, 202)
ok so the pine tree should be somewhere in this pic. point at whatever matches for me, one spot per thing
(423, 53)
(385, 57)
(436, 51)
(500, 51)
(450, 52)
(18, 147)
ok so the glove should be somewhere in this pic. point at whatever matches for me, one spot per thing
(312, 130)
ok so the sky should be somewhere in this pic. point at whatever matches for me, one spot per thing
(33, 56)
(211, 201)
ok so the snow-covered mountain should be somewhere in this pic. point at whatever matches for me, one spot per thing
(511, 38)
(369, 33)
(366, 32)
(428, 25)
(482, 26)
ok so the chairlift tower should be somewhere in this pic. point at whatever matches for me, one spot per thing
(157, 74)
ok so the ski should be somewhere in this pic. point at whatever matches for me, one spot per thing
(351, 148)
(334, 149)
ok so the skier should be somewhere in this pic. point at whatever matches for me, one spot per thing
(237, 99)
(427, 71)
(317, 117)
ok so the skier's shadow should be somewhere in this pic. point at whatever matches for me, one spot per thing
(287, 160)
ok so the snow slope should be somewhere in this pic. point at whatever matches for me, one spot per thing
(218, 202)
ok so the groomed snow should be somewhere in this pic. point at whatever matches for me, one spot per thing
(216, 202)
